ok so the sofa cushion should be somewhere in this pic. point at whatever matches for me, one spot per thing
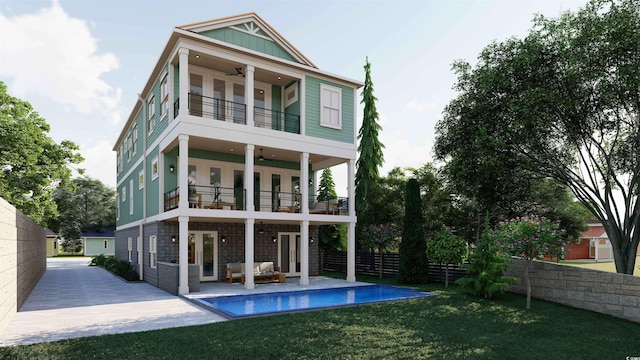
(236, 267)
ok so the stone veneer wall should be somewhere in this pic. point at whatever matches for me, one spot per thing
(604, 292)
(23, 259)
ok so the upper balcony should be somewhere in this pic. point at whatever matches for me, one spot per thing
(224, 110)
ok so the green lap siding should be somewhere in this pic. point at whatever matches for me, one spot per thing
(248, 41)
(312, 112)
(95, 246)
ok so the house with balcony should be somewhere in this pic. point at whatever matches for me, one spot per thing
(217, 161)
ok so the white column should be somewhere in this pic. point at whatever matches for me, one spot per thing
(248, 93)
(304, 252)
(183, 283)
(250, 220)
(183, 172)
(351, 232)
(184, 81)
(248, 253)
(304, 183)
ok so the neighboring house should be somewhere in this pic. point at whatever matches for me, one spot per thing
(594, 244)
(52, 243)
(99, 242)
(217, 160)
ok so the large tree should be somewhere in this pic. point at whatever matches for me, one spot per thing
(562, 103)
(87, 204)
(369, 147)
(32, 164)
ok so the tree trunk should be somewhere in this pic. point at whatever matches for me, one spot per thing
(446, 275)
(528, 282)
(380, 250)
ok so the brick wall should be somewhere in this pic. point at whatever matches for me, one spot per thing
(23, 259)
(604, 292)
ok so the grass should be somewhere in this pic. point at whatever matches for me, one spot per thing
(609, 266)
(449, 326)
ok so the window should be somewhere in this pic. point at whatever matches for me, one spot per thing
(139, 249)
(127, 145)
(331, 106)
(154, 168)
(106, 243)
(152, 251)
(131, 197)
(120, 159)
(151, 109)
(55, 244)
(164, 95)
(117, 207)
(141, 179)
(134, 132)
(291, 94)
(129, 247)
(124, 193)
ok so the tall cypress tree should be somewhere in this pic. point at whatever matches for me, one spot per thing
(327, 188)
(370, 148)
(413, 247)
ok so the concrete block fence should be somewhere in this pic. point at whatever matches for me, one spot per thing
(23, 259)
(604, 292)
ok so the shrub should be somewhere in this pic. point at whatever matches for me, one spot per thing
(120, 268)
(446, 248)
(98, 260)
(486, 269)
(413, 247)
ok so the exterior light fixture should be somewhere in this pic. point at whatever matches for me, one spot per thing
(173, 238)
(260, 230)
(275, 239)
(311, 240)
(172, 168)
(223, 238)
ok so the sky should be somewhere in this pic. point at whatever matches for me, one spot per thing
(81, 63)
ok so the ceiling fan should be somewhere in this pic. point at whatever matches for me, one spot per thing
(262, 158)
(239, 72)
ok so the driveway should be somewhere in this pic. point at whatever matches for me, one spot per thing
(73, 300)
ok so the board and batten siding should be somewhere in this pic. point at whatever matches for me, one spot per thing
(312, 112)
(248, 41)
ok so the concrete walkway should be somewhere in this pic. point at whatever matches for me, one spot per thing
(73, 300)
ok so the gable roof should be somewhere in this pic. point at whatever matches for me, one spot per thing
(253, 25)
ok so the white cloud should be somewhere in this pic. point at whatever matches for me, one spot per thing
(100, 161)
(413, 105)
(55, 56)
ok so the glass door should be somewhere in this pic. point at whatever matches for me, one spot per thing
(204, 253)
(195, 94)
(219, 99)
(289, 253)
(239, 111)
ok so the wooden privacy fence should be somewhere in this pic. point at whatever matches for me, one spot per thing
(368, 263)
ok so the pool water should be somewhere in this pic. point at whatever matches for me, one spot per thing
(279, 302)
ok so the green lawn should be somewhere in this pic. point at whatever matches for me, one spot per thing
(449, 326)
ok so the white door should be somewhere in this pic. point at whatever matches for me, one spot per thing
(289, 253)
(205, 247)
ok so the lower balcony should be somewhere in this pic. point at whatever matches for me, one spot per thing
(225, 198)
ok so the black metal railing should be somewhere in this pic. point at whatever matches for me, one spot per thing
(276, 120)
(224, 198)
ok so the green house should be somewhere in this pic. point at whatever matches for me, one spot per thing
(217, 160)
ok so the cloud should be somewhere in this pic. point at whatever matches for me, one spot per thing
(53, 55)
(413, 105)
(99, 161)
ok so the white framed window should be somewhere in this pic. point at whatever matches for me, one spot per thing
(134, 133)
(141, 179)
(139, 248)
(127, 145)
(152, 251)
(154, 168)
(151, 113)
(291, 94)
(330, 106)
(124, 193)
(120, 159)
(117, 207)
(129, 247)
(164, 95)
(106, 243)
(131, 197)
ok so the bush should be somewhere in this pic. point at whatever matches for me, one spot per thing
(486, 269)
(120, 268)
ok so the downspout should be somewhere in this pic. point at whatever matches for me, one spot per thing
(144, 192)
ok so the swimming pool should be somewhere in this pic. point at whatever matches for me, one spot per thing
(280, 302)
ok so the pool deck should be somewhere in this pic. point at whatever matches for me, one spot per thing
(73, 300)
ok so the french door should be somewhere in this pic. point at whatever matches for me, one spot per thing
(289, 253)
(203, 250)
